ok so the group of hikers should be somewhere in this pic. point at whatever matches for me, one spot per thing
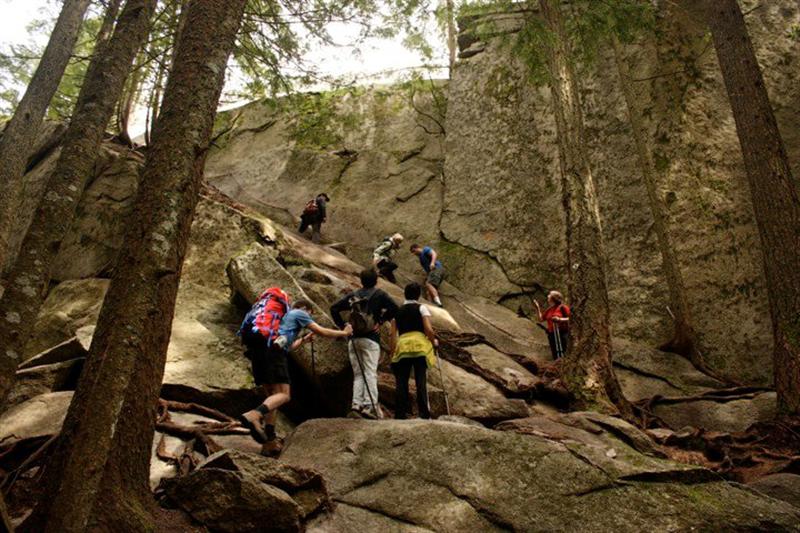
(274, 325)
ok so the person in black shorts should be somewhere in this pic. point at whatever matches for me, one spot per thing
(271, 370)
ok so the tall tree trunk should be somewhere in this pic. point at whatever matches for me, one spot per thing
(772, 187)
(452, 34)
(107, 27)
(98, 475)
(23, 128)
(684, 340)
(587, 370)
(28, 280)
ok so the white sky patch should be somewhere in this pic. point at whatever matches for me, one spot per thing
(377, 60)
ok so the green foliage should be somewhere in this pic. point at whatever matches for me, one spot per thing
(320, 120)
(588, 23)
(18, 64)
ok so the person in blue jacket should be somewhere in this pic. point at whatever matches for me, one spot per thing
(434, 270)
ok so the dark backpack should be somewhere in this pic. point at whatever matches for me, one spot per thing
(311, 209)
(362, 320)
(264, 318)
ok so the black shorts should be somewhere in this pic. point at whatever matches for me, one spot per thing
(270, 363)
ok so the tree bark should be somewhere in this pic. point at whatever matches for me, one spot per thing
(21, 131)
(97, 478)
(586, 370)
(684, 340)
(107, 27)
(29, 278)
(452, 34)
(773, 190)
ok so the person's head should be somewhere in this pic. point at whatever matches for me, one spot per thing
(416, 249)
(555, 298)
(369, 278)
(397, 240)
(324, 196)
(413, 291)
(305, 305)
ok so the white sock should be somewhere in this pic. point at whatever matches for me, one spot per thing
(437, 300)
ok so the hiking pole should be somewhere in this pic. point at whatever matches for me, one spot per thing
(441, 380)
(313, 362)
(364, 376)
(557, 340)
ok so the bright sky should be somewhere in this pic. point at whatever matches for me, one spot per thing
(376, 56)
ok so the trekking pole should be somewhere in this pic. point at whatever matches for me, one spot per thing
(313, 361)
(364, 376)
(557, 340)
(441, 379)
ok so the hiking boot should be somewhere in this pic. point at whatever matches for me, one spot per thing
(370, 414)
(272, 447)
(355, 413)
(252, 421)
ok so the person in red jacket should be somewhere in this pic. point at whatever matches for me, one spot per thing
(557, 316)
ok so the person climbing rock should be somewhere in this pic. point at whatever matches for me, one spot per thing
(557, 316)
(429, 260)
(384, 253)
(315, 214)
(369, 307)
(268, 350)
(412, 347)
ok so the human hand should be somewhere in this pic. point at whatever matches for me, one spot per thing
(536, 302)
(435, 343)
(308, 338)
(348, 329)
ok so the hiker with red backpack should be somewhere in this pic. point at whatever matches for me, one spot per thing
(557, 316)
(369, 307)
(269, 332)
(315, 214)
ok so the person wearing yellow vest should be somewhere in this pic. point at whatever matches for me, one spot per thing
(412, 347)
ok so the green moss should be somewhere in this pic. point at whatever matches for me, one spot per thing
(661, 161)
(319, 120)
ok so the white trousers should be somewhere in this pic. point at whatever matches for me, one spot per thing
(365, 383)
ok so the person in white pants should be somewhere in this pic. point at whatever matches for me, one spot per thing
(364, 357)
(364, 346)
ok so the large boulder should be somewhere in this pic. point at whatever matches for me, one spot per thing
(472, 396)
(784, 487)
(644, 372)
(70, 306)
(717, 413)
(90, 248)
(42, 379)
(41, 416)
(449, 477)
(240, 492)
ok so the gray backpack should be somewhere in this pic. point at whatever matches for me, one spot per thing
(361, 318)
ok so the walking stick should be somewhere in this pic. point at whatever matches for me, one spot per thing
(364, 376)
(557, 339)
(441, 379)
(313, 361)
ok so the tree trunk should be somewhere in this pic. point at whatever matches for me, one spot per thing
(587, 370)
(28, 280)
(772, 187)
(107, 27)
(98, 475)
(684, 339)
(23, 128)
(452, 43)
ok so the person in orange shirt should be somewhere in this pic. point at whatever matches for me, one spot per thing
(557, 316)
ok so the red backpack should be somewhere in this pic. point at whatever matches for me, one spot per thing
(311, 208)
(264, 318)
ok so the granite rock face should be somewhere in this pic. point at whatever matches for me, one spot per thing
(441, 476)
